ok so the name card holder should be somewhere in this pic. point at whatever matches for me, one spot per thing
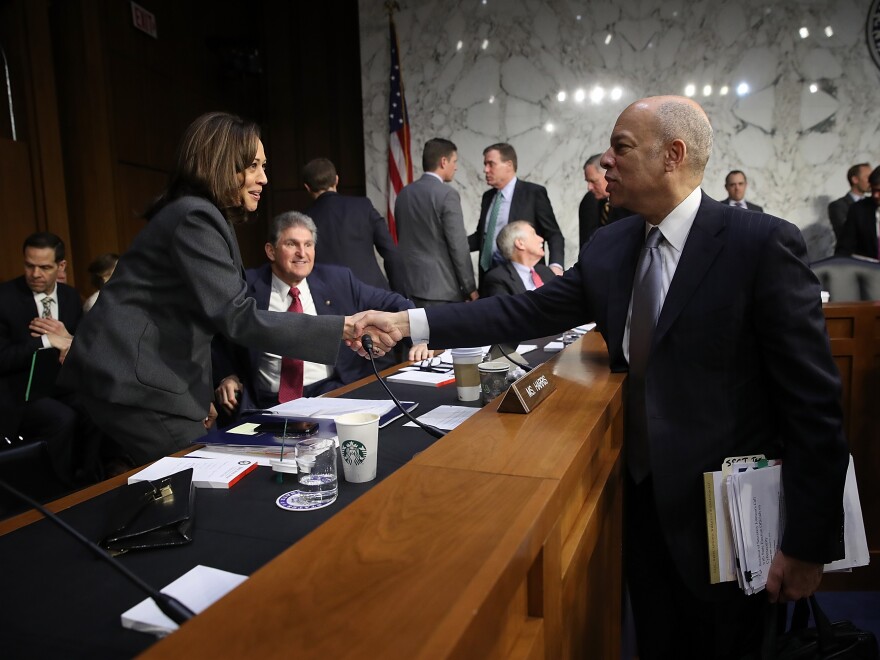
(527, 393)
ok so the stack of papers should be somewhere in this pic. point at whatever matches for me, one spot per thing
(207, 472)
(745, 521)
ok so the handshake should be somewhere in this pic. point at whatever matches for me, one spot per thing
(385, 328)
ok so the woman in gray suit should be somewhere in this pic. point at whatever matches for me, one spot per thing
(141, 359)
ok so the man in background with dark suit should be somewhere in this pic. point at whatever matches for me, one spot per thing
(595, 210)
(432, 241)
(717, 319)
(859, 187)
(256, 380)
(37, 311)
(736, 183)
(350, 227)
(861, 232)
(524, 269)
(512, 199)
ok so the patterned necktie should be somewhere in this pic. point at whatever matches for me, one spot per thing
(489, 238)
(291, 384)
(536, 279)
(47, 307)
(606, 210)
(645, 311)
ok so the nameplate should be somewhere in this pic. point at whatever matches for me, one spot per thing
(527, 393)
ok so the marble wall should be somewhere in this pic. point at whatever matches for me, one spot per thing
(793, 108)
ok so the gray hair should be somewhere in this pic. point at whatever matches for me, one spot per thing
(594, 161)
(508, 235)
(283, 222)
(679, 120)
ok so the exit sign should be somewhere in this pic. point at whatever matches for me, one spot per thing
(143, 20)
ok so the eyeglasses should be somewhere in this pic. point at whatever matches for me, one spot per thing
(434, 365)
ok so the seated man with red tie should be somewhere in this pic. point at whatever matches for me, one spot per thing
(524, 269)
(292, 282)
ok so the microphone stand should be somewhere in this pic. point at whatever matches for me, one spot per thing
(367, 343)
(521, 365)
(170, 606)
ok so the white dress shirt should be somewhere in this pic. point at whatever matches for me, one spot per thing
(525, 274)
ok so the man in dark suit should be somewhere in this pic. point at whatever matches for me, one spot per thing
(350, 227)
(252, 378)
(430, 229)
(512, 199)
(595, 209)
(860, 233)
(736, 183)
(37, 311)
(859, 187)
(736, 363)
(523, 269)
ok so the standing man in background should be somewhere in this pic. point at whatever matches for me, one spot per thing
(512, 199)
(430, 228)
(350, 227)
(861, 232)
(595, 210)
(735, 183)
(857, 177)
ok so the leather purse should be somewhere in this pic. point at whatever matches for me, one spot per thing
(152, 514)
(840, 640)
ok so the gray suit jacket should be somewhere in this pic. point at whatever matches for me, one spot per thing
(432, 241)
(147, 341)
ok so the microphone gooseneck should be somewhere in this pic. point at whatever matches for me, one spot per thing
(367, 343)
(521, 365)
(170, 606)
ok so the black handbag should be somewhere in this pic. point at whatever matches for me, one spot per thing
(152, 514)
(827, 641)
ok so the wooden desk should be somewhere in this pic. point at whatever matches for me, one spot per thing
(854, 329)
(501, 540)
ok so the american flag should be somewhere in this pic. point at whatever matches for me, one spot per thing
(400, 170)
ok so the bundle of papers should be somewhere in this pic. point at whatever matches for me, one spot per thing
(219, 472)
(745, 521)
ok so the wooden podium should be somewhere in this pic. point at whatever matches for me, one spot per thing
(502, 540)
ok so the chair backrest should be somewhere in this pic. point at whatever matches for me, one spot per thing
(848, 279)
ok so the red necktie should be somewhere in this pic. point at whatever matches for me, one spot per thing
(536, 279)
(291, 385)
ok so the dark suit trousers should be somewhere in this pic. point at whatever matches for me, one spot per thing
(670, 621)
(55, 423)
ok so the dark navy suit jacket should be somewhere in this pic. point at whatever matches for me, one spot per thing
(503, 280)
(859, 233)
(17, 310)
(740, 364)
(335, 291)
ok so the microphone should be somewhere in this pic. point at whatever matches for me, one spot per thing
(521, 365)
(367, 343)
(170, 606)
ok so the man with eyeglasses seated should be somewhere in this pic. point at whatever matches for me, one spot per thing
(292, 282)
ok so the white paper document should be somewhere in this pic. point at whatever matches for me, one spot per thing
(446, 417)
(220, 472)
(199, 588)
(331, 407)
(427, 378)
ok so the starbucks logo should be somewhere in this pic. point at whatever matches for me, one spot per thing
(353, 452)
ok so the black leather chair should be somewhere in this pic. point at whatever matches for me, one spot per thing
(849, 279)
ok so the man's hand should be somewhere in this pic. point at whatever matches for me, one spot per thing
(792, 579)
(472, 296)
(228, 392)
(211, 418)
(420, 352)
(386, 329)
(556, 269)
(40, 326)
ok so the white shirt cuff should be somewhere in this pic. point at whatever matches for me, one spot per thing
(46, 342)
(418, 326)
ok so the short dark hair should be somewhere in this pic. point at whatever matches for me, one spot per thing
(853, 172)
(874, 177)
(102, 264)
(319, 174)
(283, 222)
(732, 172)
(45, 239)
(506, 152)
(213, 152)
(435, 149)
